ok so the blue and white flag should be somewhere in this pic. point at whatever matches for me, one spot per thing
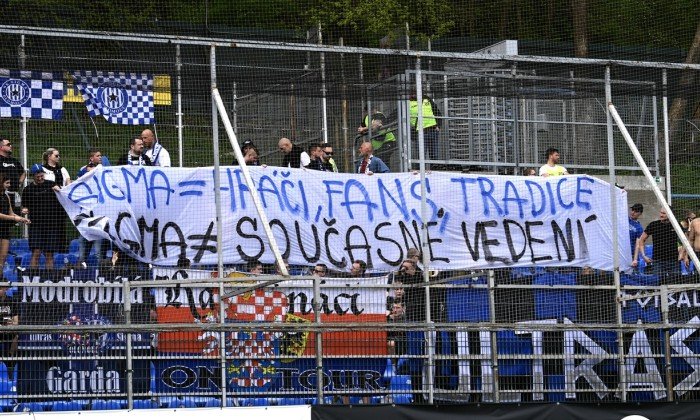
(31, 94)
(122, 98)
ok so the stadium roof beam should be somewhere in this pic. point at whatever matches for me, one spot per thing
(238, 43)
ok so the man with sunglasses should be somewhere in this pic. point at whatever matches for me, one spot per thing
(327, 158)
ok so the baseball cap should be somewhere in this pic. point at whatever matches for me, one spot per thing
(36, 168)
(638, 208)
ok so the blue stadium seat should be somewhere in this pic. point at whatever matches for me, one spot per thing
(92, 260)
(67, 406)
(10, 261)
(298, 270)
(27, 258)
(468, 305)
(59, 260)
(19, 246)
(107, 405)
(402, 398)
(7, 403)
(556, 303)
(507, 342)
(401, 383)
(254, 402)
(5, 386)
(182, 402)
(74, 246)
(28, 407)
(212, 402)
(293, 401)
(9, 274)
(3, 371)
(649, 250)
(555, 382)
(686, 271)
(149, 403)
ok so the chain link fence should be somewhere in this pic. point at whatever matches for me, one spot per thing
(103, 330)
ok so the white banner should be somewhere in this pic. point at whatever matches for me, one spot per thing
(473, 221)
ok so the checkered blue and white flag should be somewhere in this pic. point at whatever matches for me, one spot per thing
(122, 98)
(31, 94)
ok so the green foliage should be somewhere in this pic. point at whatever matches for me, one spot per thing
(647, 23)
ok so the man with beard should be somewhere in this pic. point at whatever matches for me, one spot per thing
(135, 155)
(552, 167)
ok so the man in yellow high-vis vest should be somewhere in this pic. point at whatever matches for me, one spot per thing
(431, 125)
(383, 139)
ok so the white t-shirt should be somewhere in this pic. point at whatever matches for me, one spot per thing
(50, 176)
(305, 159)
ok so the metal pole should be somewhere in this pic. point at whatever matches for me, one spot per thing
(516, 127)
(319, 343)
(659, 195)
(667, 343)
(217, 203)
(493, 339)
(324, 100)
(180, 128)
(656, 134)
(344, 102)
(218, 102)
(234, 111)
(424, 233)
(667, 154)
(126, 290)
(22, 55)
(616, 255)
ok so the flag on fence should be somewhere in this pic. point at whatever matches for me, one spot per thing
(31, 94)
(122, 98)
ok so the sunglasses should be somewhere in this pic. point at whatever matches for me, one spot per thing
(328, 153)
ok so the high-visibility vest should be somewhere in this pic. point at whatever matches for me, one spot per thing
(428, 116)
(379, 141)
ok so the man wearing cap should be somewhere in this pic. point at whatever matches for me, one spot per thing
(47, 232)
(636, 229)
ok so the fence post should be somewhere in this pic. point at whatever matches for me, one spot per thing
(667, 157)
(667, 343)
(616, 259)
(180, 135)
(319, 344)
(126, 290)
(429, 341)
(217, 203)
